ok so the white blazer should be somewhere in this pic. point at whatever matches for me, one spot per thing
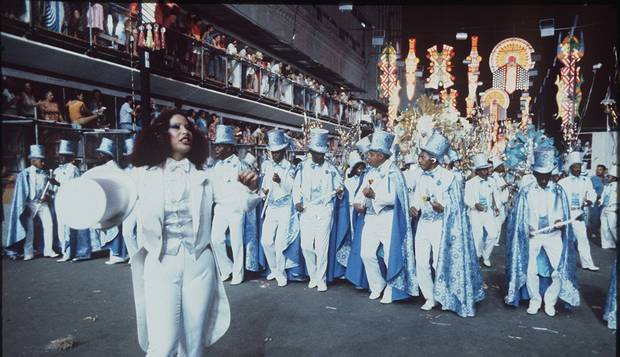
(149, 213)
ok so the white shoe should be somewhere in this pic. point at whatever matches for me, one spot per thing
(533, 309)
(592, 268)
(65, 258)
(28, 257)
(281, 281)
(53, 255)
(549, 310)
(386, 299)
(428, 305)
(271, 276)
(115, 260)
(236, 281)
(374, 295)
(312, 284)
(486, 263)
(225, 277)
(321, 286)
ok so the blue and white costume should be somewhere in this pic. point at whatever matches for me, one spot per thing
(610, 312)
(550, 253)
(579, 189)
(62, 174)
(315, 187)
(447, 236)
(389, 208)
(29, 186)
(609, 212)
(279, 207)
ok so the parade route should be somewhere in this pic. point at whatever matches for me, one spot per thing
(43, 300)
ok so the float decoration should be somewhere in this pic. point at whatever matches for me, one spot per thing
(440, 67)
(473, 72)
(411, 66)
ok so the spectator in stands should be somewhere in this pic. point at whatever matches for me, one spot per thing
(201, 121)
(207, 39)
(9, 99)
(94, 19)
(74, 24)
(95, 105)
(191, 116)
(26, 103)
(215, 120)
(127, 114)
(78, 112)
(49, 108)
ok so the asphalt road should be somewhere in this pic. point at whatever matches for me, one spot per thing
(43, 300)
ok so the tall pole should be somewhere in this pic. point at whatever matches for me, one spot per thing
(144, 67)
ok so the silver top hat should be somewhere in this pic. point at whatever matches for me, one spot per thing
(249, 159)
(453, 156)
(613, 170)
(573, 158)
(410, 158)
(37, 152)
(437, 145)
(382, 142)
(224, 134)
(318, 140)
(354, 159)
(362, 145)
(496, 161)
(277, 140)
(66, 147)
(544, 160)
(108, 147)
(480, 161)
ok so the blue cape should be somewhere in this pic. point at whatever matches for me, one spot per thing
(609, 314)
(517, 247)
(355, 267)
(458, 281)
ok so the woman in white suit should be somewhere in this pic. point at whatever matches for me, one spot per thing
(181, 305)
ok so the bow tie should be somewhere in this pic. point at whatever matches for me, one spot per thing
(173, 165)
(314, 165)
(428, 173)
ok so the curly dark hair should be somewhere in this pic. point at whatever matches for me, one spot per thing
(152, 146)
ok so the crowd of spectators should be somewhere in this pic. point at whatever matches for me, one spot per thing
(197, 48)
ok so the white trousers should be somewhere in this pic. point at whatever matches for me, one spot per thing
(178, 291)
(315, 224)
(481, 221)
(552, 244)
(64, 236)
(225, 218)
(427, 242)
(273, 238)
(609, 235)
(583, 245)
(376, 231)
(45, 216)
(130, 235)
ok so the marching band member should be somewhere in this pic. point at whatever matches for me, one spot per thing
(317, 181)
(277, 184)
(580, 194)
(443, 233)
(63, 173)
(538, 247)
(30, 200)
(228, 211)
(384, 198)
(480, 198)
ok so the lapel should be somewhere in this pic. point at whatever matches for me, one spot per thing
(156, 191)
(197, 179)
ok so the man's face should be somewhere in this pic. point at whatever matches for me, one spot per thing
(359, 168)
(600, 171)
(500, 169)
(317, 157)
(542, 179)
(575, 169)
(277, 156)
(375, 158)
(222, 151)
(38, 163)
(63, 159)
(426, 161)
(482, 173)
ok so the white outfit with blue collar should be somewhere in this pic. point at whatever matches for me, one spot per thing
(277, 214)
(433, 186)
(578, 189)
(228, 214)
(314, 187)
(483, 192)
(37, 179)
(412, 177)
(379, 216)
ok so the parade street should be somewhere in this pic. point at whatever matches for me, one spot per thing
(43, 300)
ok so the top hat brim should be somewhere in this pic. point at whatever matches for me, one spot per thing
(543, 169)
(319, 149)
(482, 167)
(66, 153)
(381, 150)
(70, 195)
(105, 152)
(30, 157)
